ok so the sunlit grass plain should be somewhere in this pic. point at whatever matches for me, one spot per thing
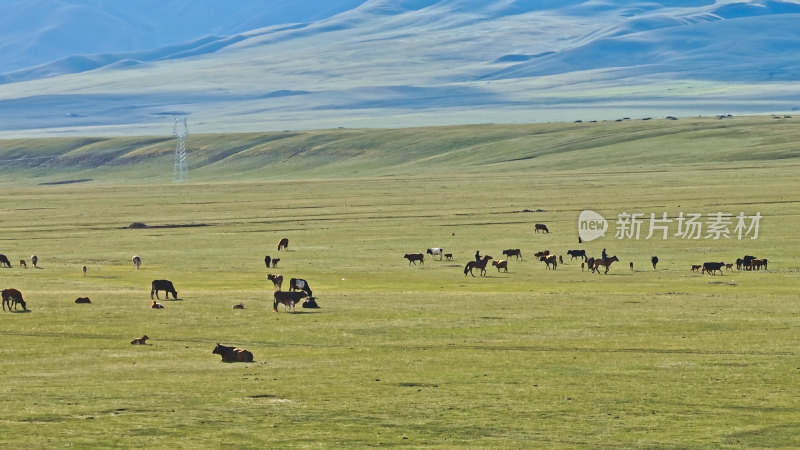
(401, 355)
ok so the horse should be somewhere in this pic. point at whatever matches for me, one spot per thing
(600, 262)
(414, 257)
(477, 265)
(232, 354)
(541, 227)
(137, 261)
(13, 297)
(283, 244)
(513, 252)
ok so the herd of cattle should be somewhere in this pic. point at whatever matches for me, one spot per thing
(594, 264)
(299, 292)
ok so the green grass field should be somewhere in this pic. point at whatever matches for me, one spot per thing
(400, 355)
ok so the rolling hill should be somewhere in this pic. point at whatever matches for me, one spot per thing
(439, 152)
(382, 63)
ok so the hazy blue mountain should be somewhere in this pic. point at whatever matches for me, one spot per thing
(34, 32)
(305, 64)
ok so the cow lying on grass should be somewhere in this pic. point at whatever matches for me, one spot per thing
(140, 341)
(83, 300)
(232, 354)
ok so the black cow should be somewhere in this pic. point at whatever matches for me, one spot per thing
(746, 261)
(232, 354)
(4, 261)
(267, 261)
(298, 284)
(576, 254)
(163, 285)
(712, 267)
(13, 297)
(654, 260)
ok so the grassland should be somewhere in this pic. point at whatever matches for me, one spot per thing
(400, 355)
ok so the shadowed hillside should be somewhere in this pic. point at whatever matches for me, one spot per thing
(433, 151)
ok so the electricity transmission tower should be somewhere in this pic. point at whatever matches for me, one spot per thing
(180, 130)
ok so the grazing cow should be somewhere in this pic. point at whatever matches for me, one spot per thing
(414, 257)
(232, 354)
(576, 254)
(631, 265)
(746, 261)
(140, 341)
(267, 261)
(83, 270)
(298, 284)
(137, 261)
(163, 285)
(435, 251)
(728, 267)
(22, 263)
(4, 261)
(34, 260)
(539, 255)
(448, 256)
(157, 305)
(513, 252)
(283, 244)
(13, 297)
(288, 299)
(757, 264)
(83, 300)
(310, 302)
(654, 260)
(277, 280)
(501, 264)
(712, 267)
(275, 262)
(696, 267)
(239, 306)
(541, 227)
(549, 260)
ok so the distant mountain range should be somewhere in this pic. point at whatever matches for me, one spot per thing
(107, 67)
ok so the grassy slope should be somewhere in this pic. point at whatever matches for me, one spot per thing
(366, 153)
(398, 354)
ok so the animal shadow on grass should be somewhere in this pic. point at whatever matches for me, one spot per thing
(16, 311)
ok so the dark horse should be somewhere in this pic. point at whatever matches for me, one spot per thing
(595, 266)
(477, 265)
